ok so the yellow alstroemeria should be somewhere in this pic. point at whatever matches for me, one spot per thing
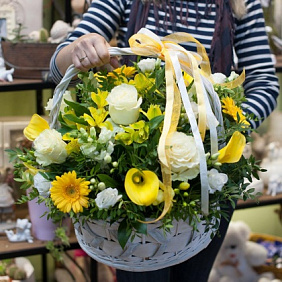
(31, 169)
(153, 111)
(141, 186)
(36, 125)
(233, 151)
(142, 82)
(73, 146)
(97, 116)
(136, 132)
(100, 98)
(126, 71)
(141, 133)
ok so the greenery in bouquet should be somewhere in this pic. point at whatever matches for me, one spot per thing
(101, 162)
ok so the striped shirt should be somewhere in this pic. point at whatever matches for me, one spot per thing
(110, 17)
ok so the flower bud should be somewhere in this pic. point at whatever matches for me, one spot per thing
(176, 191)
(101, 186)
(92, 132)
(115, 164)
(215, 156)
(184, 186)
(107, 159)
(185, 194)
(217, 164)
(92, 180)
(192, 204)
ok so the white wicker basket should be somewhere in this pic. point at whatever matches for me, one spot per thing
(156, 250)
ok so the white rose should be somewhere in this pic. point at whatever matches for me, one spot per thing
(184, 159)
(124, 106)
(147, 65)
(218, 77)
(107, 198)
(42, 185)
(216, 180)
(50, 148)
(66, 96)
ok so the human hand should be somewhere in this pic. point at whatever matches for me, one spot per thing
(91, 51)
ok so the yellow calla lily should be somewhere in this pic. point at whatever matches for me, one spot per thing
(233, 151)
(141, 186)
(36, 125)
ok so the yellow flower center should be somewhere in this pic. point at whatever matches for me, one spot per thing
(71, 191)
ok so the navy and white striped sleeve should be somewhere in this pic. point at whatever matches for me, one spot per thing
(252, 48)
(103, 17)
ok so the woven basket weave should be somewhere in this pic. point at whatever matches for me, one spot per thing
(149, 252)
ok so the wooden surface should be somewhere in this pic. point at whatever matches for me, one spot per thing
(15, 249)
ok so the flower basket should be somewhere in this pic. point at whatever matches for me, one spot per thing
(29, 60)
(142, 174)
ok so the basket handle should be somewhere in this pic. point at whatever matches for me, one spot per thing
(64, 83)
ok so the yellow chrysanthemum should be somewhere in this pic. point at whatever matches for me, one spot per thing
(229, 107)
(70, 193)
(141, 186)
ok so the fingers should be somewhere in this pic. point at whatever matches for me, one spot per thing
(90, 51)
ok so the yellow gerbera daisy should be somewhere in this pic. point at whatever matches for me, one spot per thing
(69, 193)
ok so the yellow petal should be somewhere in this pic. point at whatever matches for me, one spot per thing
(36, 125)
(141, 186)
(233, 151)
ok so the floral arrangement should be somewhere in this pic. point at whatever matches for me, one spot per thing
(101, 162)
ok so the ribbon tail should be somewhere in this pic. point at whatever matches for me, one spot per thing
(196, 134)
(168, 197)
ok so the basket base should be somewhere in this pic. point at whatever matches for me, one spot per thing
(145, 253)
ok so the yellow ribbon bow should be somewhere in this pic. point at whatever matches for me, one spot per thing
(177, 58)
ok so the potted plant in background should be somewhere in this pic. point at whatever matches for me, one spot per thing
(30, 55)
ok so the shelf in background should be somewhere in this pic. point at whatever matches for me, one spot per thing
(264, 200)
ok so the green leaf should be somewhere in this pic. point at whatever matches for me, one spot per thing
(79, 109)
(140, 227)
(124, 232)
(155, 122)
(75, 119)
(109, 181)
